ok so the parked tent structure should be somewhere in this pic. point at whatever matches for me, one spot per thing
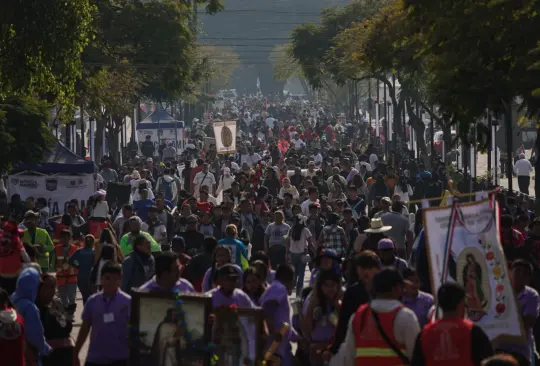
(59, 160)
(162, 128)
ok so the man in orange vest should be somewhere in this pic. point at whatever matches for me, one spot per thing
(382, 332)
(66, 275)
(451, 340)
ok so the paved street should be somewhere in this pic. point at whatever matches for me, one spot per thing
(481, 169)
(482, 166)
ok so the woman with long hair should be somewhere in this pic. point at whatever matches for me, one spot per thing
(320, 314)
(361, 187)
(108, 254)
(222, 255)
(57, 324)
(298, 244)
(107, 237)
(254, 285)
(403, 189)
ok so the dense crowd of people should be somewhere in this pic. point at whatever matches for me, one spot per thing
(300, 195)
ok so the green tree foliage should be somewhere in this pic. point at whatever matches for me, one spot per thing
(140, 51)
(40, 47)
(24, 132)
(476, 54)
(218, 64)
(312, 44)
(381, 47)
(40, 61)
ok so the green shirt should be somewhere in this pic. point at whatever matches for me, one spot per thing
(126, 243)
(42, 238)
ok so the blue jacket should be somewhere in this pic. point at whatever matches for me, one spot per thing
(83, 259)
(24, 299)
(134, 272)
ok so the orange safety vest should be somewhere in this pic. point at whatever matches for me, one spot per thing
(371, 348)
(65, 274)
(447, 342)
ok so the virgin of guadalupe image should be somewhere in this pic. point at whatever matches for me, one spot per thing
(168, 341)
(230, 338)
(472, 281)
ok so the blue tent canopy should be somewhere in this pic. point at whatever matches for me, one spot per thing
(160, 118)
(59, 160)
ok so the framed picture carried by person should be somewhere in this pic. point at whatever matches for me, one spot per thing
(170, 331)
(238, 335)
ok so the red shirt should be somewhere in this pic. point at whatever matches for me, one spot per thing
(329, 130)
(454, 332)
(10, 257)
(11, 344)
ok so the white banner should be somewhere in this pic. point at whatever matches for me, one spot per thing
(161, 136)
(58, 190)
(225, 134)
(478, 263)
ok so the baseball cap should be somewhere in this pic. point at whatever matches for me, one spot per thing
(30, 215)
(385, 244)
(150, 160)
(386, 200)
(227, 270)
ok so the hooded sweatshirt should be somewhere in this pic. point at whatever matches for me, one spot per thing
(24, 300)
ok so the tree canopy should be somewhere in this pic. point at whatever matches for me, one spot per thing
(218, 65)
(40, 47)
(24, 133)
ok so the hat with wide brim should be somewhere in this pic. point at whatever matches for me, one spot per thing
(376, 226)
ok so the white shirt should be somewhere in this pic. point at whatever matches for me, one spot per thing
(373, 159)
(101, 210)
(234, 167)
(523, 167)
(405, 332)
(250, 160)
(404, 195)
(298, 247)
(366, 164)
(204, 179)
(298, 144)
(317, 159)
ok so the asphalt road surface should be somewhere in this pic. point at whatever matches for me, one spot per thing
(481, 169)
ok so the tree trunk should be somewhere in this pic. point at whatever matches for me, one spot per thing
(537, 173)
(98, 139)
(418, 127)
(113, 138)
(307, 89)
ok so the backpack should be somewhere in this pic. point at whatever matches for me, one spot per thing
(167, 188)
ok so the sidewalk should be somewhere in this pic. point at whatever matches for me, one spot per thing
(504, 182)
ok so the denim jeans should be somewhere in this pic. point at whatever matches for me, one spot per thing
(299, 271)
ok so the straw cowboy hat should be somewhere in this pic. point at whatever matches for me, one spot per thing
(376, 226)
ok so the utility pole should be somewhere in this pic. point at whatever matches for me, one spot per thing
(509, 144)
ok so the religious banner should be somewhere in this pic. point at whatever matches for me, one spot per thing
(58, 190)
(225, 134)
(476, 261)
